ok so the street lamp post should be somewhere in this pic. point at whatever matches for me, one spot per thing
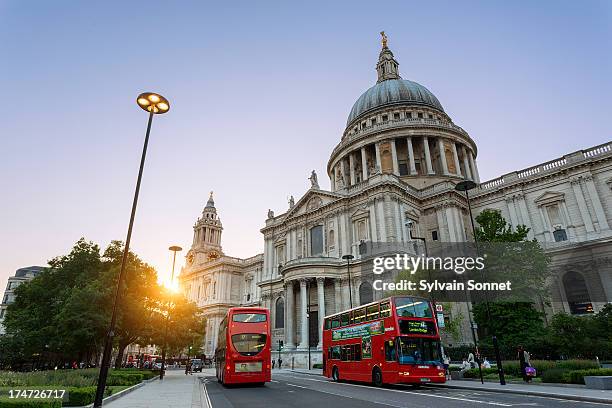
(174, 249)
(154, 104)
(466, 186)
(348, 258)
(308, 318)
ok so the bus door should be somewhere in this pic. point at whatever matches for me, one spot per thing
(390, 366)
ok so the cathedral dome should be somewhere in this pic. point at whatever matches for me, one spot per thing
(391, 92)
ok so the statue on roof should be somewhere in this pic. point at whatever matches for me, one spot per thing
(314, 181)
(383, 39)
(291, 202)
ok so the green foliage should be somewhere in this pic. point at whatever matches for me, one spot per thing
(514, 323)
(63, 313)
(83, 396)
(118, 378)
(29, 403)
(492, 227)
(577, 376)
(318, 365)
(556, 375)
(474, 373)
(582, 336)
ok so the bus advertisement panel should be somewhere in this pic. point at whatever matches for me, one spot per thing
(394, 340)
(243, 351)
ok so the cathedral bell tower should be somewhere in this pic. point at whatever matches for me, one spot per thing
(206, 235)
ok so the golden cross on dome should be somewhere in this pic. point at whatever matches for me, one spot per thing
(383, 39)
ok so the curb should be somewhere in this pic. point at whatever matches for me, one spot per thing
(507, 391)
(121, 393)
(534, 393)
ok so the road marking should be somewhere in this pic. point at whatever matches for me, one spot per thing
(206, 397)
(500, 404)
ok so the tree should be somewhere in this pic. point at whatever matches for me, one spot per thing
(36, 315)
(139, 295)
(513, 318)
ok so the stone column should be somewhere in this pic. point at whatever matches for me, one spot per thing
(304, 319)
(582, 206)
(599, 211)
(394, 158)
(412, 166)
(466, 164)
(321, 297)
(427, 156)
(339, 304)
(341, 163)
(332, 179)
(289, 310)
(546, 229)
(352, 169)
(372, 208)
(442, 157)
(456, 159)
(378, 162)
(474, 168)
(346, 293)
(364, 164)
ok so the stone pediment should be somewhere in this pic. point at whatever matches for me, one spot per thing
(550, 197)
(311, 201)
(360, 213)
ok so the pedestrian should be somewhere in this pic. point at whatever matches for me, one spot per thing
(273, 363)
(188, 367)
(471, 361)
(486, 363)
(523, 357)
(280, 363)
(446, 362)
(464, 366)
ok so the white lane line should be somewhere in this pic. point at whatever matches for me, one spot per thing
(500, 404)
(479, 393)
(207, 402)
(342, 396)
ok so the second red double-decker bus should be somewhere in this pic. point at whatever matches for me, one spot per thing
(244, 346)
(391, 341)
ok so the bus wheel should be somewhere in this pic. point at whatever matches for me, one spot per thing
(377, 379)
(335, 374)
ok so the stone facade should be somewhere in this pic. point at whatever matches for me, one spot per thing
(393, 176)
(21, 275)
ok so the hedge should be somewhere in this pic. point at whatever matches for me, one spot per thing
(555, 375)
(29, 403)
(318, 365)
(577, 376)
(119, 378)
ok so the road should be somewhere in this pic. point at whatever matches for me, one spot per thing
(290, 389)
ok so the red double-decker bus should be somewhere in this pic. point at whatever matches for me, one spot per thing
(243, 352)
(391, 341)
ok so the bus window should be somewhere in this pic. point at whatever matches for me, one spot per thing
(344, 319)
(336, 353)
(326, 325)
(372, 312)
(418, 351)
(359, 315)
(409, 307)
(385, 309)
(335, 322)
(390, 352)
(357, 352)
(249, 317)
(249, 344)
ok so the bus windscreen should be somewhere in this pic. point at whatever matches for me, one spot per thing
(249, 344)
(418, 351)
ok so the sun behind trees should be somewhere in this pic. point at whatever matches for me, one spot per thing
(63, 314)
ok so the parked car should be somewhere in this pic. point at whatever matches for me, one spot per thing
(196, 364)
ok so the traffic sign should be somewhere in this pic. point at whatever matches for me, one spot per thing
(439, 308)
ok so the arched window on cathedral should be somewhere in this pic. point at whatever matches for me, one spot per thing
(577, 293)
(365, 293)
(362, 234)
(279, 314)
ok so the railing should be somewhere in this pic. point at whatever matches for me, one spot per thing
(597, 150)
(550, 166)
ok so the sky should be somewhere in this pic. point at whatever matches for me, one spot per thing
(259, 93)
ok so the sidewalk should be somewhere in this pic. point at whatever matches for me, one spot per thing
(567, 392)
(176, 390)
